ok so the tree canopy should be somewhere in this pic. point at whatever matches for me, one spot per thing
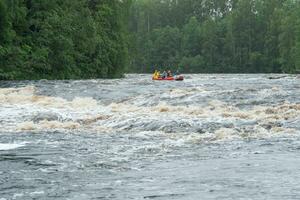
(223, 36)
(62, 39)
(67, 39)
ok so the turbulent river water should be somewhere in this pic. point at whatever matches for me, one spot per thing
(208, 137)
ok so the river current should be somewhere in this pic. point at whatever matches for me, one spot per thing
(208, 137)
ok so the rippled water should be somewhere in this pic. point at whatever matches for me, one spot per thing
(209, 137)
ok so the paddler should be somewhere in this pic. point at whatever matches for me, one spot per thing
(155, 74)
(158, 74)
(164, 75)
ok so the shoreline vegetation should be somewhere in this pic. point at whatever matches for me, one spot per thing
(63, 39)
(90, 39)
(216, 36)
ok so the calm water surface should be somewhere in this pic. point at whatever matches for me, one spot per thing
(209, 137)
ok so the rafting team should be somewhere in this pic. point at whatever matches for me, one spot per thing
(164, 75)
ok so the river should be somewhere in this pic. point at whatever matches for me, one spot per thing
(208, 137)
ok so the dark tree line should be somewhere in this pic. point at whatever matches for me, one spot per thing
(63, 39)
(59, 39)
(222, 36)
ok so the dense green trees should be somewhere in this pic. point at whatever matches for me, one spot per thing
(297, 45)
(59, 39)
(288, 36)
(247, 36)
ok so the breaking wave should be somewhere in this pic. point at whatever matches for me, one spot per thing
(24, 110)
(26, 95)
(6, 147)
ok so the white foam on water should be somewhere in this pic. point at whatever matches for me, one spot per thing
(118, 114)
(20, 105)
(5, 147)
(18, 195)
(37, 193)
(46, 125)
(26, 95)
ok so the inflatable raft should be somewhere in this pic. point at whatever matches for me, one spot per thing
(177, 78)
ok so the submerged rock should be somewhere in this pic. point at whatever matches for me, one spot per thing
(47, 116)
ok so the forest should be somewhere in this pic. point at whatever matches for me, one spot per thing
(67, 39)
(63, 39)
(215, 36)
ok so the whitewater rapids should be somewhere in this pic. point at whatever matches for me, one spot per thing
(210, 137)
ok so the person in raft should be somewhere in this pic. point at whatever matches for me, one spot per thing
(156, 74)
(164, 75)
(176, 74)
